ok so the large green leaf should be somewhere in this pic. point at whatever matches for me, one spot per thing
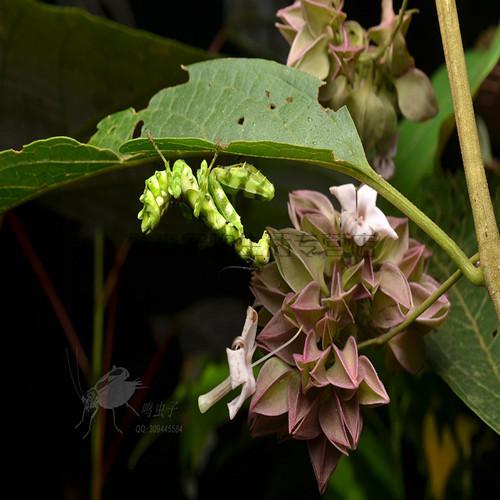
(246, 107)
(47, 163)
(465, 351)
(252, 107)
(63, 70)
(420, 144)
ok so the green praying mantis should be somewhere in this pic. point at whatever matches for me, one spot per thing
(207, 196)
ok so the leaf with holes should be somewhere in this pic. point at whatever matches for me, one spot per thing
(247, 107)
(465, 351)
(250, 107)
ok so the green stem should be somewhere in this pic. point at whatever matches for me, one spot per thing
(401, 15)
(488, 238)
(97, 359)
(392, 195)
(388, 10)
(415, 313)
(471, 272)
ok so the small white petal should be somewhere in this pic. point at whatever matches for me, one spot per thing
(346, 194)
(379, 223)
(367, 197)
(363, 233)
(237, 403)
(238, 371)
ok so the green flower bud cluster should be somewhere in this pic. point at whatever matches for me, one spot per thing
(370, 71)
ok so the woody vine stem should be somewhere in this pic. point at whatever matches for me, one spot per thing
(487, 235)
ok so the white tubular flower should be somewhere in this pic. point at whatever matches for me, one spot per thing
(240, 369)
(360, 218)
(240, 362)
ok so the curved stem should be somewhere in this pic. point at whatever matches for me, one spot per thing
(413, 315)
(488, 238)
(391, 194)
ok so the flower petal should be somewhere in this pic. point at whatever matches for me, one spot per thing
(367, 198)
(324, 458)
(346, 195)
(270, 397)
(332, 423)
(344, 371)
(371, 390)
(379, 223)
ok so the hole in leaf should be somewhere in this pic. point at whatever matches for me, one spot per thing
(138, 129)
(272, 106)
(241, 120)
(494, 334)
(268, 94)
(289, 99)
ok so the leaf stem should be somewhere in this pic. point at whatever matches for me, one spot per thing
(97, 359)
(401, 15)
(391, 194)
(415, 313)
(487, 234)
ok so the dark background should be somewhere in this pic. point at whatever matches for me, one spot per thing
(158, 281)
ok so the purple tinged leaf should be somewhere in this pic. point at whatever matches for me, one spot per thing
(324, 459)
(307, 308)
(312, 360)
(367, 274)
(331, 419)
(278, 331)
(352, 276)
(388, 250)
(287, 32)
(326, 329)
(269, 288)
(438, 311)
(261, 425)
(353, 420)
(299, 256)
(416, 98)
(337, 302)
(371, 389)
(302, 412)
(413, 262)
(344, 371)
(409, 351)
(395, 285)
(270, 397)
(304, 202)
(317, 16)
(292, 15)
(308, 53)
(385, 312)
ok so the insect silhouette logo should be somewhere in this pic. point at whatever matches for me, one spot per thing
(110, 392)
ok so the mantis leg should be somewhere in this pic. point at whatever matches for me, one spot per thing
(222, 202)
